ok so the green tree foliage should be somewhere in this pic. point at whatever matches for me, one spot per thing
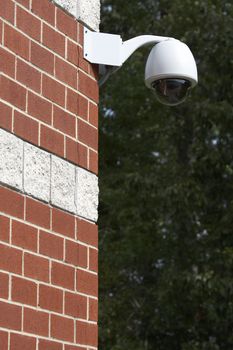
(166, 181)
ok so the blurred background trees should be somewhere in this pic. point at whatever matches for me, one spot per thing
(166, 187)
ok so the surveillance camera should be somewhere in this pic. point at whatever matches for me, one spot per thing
(171, 71)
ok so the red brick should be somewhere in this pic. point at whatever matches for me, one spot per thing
(87, 283)
(87, 333)
(4, 340)
(24, 236)
(24, 291)
(87, 134)
(83, 64)
(88, 86)
(81, 29)
(82, 256)
(67, 24)
(71, 252)
(16, 42)
(37, 213)
(19, 342)
(45, 10)
(39, 108)
(76, 152)
(93, 114)
(94, 71)
(28, 76)
(10, 259)
(11, 202)
(73, 347)
(63, 275)
(36, 267)
(53, 90)
(26, 128)
(4, 285)
(65, 72)
(64, 121)
(7, 11)
(52, 141)
(87, 232)
(93, 161)
(72, 101)
(42, 58)
(82, 107)
(93, 309)
(25, 3)
(4, 228)
(1, 26)
(36, 322)
(62, 328)
(10, 316)
(49, 345)
(28, 23)
(63, 223)
(7, 62)
(12, 93)
(72, 53)
(75, 305)
(76, 254)
(54, 40)
(51, 245)
(6, 116)
(50, 298)
(93, 259)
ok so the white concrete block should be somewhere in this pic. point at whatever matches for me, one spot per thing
(63, 184)
(11, 160)
(69, 5)
(47, 177)
(87, 192)
(36, 172)
(88, 12)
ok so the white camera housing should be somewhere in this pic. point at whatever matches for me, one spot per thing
(170, 70)
(170, 59)
(171, 64)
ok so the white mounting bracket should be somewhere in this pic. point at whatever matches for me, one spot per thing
(110, 50)
(102, 48)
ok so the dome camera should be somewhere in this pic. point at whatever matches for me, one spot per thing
(171, 71)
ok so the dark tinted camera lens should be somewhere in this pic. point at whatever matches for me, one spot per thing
(171, 92)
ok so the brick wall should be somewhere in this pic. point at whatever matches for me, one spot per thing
(48, 181)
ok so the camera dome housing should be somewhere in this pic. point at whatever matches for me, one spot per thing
(171, 71)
